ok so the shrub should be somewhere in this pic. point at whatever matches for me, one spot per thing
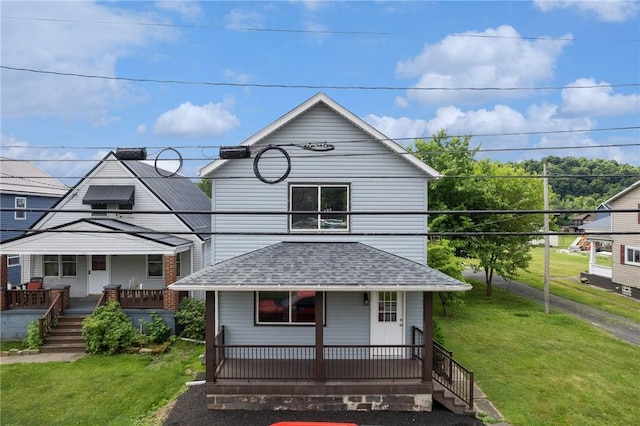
(33, 340)
(108, 330)
(156, 329)
(190, 316)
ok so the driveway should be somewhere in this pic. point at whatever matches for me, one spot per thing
(622, 328)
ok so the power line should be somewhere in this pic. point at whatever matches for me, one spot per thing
(306, 86)
(303, 31)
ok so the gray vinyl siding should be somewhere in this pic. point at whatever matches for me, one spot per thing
(77, 285)
(413, 314)
(378, 180)
(347, 322)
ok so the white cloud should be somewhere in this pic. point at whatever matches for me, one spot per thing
(236, 76)
(311, 5)
(79, 47)
(141, 129)
(239, 19)
(187, 8)
(192, 121)
(607, 11)
(493, 58)
(63, 164)
(597, 101)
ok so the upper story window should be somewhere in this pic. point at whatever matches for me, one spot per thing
(324, 199)
(20, 203)
(59, 266)
(632, 256)
(13, 260)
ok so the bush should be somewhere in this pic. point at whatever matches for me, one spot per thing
(156, 329)
(190, 316)
(108, 330)
(33, 340)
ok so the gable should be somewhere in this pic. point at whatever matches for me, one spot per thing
(322, 120)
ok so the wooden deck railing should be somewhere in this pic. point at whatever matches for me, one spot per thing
(446, 370)
(141, 299)
(28, 299)
(48, 320)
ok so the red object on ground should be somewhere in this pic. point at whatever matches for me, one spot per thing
(312, 424)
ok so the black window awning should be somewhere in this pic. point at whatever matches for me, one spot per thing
(109, 194)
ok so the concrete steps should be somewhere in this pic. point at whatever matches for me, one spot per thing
(66, 336)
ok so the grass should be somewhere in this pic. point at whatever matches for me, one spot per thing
(564, 281)
(11, 344)
(123, 389)
(543, 369)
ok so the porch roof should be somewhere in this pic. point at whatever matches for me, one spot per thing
(337, 266)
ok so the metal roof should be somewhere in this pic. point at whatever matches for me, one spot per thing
(22, 177)
(341, 266)
(178, 193)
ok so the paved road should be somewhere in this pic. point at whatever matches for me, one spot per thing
(622, 328)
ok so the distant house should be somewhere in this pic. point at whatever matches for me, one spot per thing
(99, 235)
(329, 306)
(621, 232)
(23, 186)
(578, 220)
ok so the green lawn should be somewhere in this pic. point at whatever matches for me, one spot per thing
(564, 271)
(96, 390)
(544, 369)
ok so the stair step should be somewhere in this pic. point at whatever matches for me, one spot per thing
(63, 348)
(65, 339)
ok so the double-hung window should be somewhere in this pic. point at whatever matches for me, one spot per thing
(632, 256)
(155, 266)
(286, 307)
(13, 260)
(20, 203)
(323, 199)
(59, 266)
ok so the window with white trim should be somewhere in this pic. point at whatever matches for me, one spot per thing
(324, 199)
(286, 307)
(59, 265)
(20, 203)
(178, 264)
(632, 256)
(13, 260)
(100, 209)
(155, 266)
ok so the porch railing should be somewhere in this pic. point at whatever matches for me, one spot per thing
(48, 320)
(28, 299)
(142, 299)
(446, 370)
(297, 362)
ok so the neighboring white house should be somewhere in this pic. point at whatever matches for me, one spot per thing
(330, 290)
(98, 236)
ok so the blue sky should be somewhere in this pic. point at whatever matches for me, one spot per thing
(579, 61)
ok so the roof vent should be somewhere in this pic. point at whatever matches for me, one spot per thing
(131, 153)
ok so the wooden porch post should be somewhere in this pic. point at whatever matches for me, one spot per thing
(210, 337)
(427, 328)
(319, 336)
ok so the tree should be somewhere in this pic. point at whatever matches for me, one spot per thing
(205, 186)
(482, 185)
(441, 256)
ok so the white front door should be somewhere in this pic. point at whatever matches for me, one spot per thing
(98, 272)
(387, 321)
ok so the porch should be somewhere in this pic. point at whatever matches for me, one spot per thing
(395, 373)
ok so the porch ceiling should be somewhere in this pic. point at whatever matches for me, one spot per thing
(322, 266)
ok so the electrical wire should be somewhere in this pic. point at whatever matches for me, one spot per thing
(306, 86)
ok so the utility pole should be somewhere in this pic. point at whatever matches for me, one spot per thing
(545, 182)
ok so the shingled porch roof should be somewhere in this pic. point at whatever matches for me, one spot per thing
(335, 266)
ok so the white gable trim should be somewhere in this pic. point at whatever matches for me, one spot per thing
(348, 115)
(88, 238)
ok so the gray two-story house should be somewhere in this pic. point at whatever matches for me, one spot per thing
(319, 293)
